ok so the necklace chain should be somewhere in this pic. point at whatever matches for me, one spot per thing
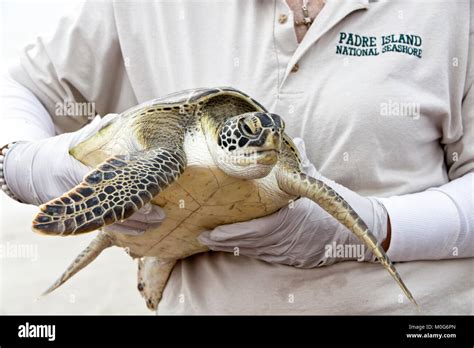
(306, 18)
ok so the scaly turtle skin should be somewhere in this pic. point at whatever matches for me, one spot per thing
(208, 157)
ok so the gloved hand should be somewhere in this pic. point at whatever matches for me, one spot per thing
(305, 235)
(39, 171)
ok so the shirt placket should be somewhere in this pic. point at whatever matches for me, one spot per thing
(292, 81)
(284, 38)
(332, 13)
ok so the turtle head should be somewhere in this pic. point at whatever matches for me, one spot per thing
(248, 145)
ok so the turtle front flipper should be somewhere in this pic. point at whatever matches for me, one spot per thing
(115, 190)
(300, 184)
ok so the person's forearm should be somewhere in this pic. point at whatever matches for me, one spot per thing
(22, 116)
(434, 224)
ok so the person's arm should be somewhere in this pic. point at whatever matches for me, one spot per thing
(22, 115)
(40, 167)
(80, 64)
(59, 84)
(434, 224)
(439, 223)
(79, 70)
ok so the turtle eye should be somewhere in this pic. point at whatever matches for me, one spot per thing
(249, 128)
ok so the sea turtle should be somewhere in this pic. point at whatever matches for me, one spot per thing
(208, 157)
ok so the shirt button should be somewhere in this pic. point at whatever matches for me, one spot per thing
(283, 18)
(295, 68)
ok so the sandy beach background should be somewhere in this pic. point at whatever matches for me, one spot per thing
(30, 263)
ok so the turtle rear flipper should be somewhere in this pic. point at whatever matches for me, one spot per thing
(153, 274)
(89, 254)
(114, 191)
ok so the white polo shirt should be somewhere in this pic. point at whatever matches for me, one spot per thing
(381, 93)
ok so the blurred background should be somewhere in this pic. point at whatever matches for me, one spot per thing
(30, 263)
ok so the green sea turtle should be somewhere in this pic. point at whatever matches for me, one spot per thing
(208, 157)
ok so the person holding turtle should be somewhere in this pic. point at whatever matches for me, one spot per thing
(395, 131)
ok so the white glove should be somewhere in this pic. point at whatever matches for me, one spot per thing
(38, 171)
(305, 235)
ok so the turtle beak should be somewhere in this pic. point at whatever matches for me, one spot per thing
(268, 157)
(272, 141)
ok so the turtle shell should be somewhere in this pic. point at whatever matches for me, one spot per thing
(203, 197)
